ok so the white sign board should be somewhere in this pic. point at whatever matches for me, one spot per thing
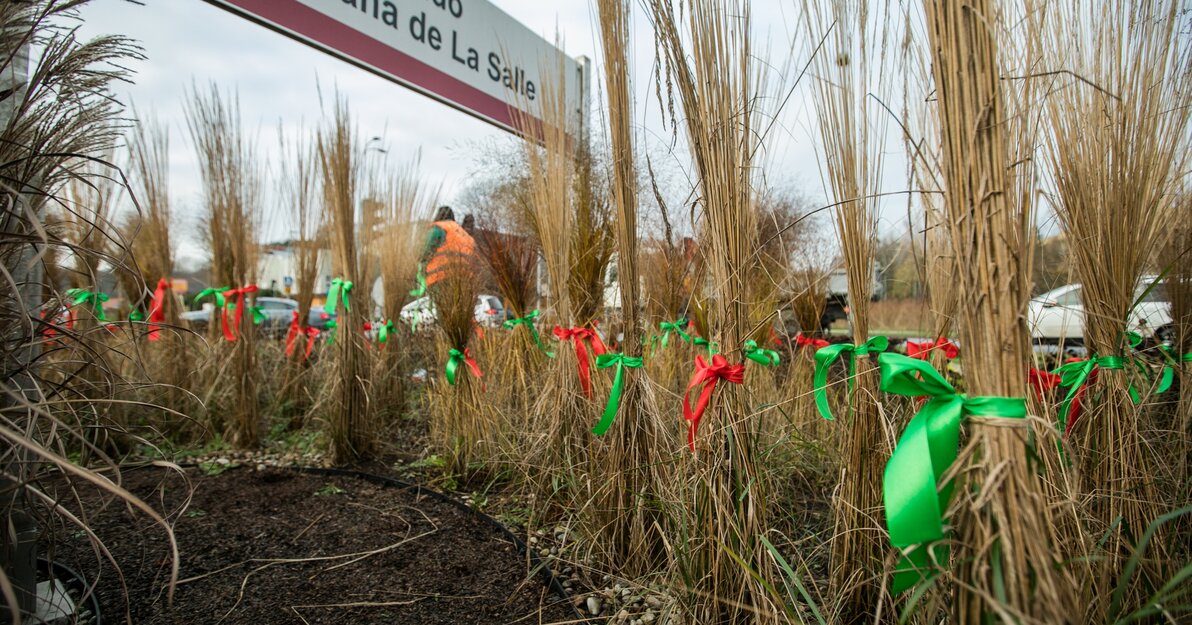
(466, 53)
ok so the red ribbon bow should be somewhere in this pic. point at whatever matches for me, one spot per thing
(472, 364)
(230, 333)
(1044, 382)
(296, 331)
(922, 350)
(157, 313)
(579, 335)
(803, 341)
(708, 375)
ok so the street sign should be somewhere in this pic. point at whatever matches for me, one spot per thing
(288, 281)
(468, 54)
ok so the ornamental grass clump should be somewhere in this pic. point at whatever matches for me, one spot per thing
(352, 430)
(298, 184)
(231, 175)
(1118, 118)
(556, 442)
(149, 230)
(851, 127)
(405, 202)
(721, 511)
(1005, 547)
(623, 515)
(58, 114)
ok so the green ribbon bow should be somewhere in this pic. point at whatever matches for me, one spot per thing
(455, 358)
(136, 315)
(331, 326)
(528, 321)
(767, 357)
(914, 500)
(1168, 376)
(620, 361)
(339, 291)
(258, 315)
(712, 348)
(384, 330)
(420, 290)
(94, 298)
(674, 326)
(825, 356)
(220, 302)
(1076, 374)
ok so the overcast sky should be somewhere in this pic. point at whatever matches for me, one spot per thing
(191, 42)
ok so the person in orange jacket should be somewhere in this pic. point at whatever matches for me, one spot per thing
(449, 249)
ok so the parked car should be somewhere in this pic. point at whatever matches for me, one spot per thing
(836, 308)
(489, 311)
(1059, 313)
(279, 312)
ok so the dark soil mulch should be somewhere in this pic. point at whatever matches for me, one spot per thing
(271, 547)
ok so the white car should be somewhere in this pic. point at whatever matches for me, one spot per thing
(1059, 313)
(490, 312)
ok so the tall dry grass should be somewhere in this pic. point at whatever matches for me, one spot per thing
(58, 115)
(407, 201)
(351, 428)
(1118, 147)
(299, 185)
(1005, 547)
(623, 517)
(556, 442)
(722, 511)
(846, 96)
(231, 174)
(153, 246)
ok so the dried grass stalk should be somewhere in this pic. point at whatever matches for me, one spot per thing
(1118, 145)
(353, 436)
(623, 519)
(153, 247)
(724, 504)
(853, 143)
(405, 201)
(1006, 548)
(231, 175)
(298, 185)
(557, 443)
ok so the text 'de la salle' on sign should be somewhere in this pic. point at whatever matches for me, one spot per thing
(468, 54)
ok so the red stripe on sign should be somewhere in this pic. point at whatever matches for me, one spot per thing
(325, 32)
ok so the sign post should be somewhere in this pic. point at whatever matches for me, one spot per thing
(468, 54)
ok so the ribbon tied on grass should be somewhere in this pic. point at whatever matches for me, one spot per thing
(157, 314)
(337, 293)
(712, 348)
(215, 293)
(620, 361)
(762, 356)
(1077, 375)
(914, 499)
(384, 330)
(92, 299)
(824, 358)
(579, 335)
(922, 349)
(1170, 361)
(676, 327)
(707, 374)
(231, 331)
(455, 358)
(528, 322)
(803, 341)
